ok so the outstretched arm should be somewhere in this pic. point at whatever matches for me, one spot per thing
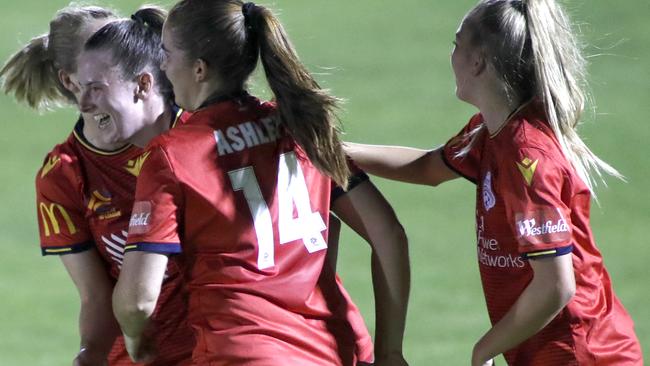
(368, 213)
(552, 287)
(135, 298)
(405, 164)
(97, 326)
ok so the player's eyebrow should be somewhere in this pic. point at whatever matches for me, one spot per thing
(92, 82)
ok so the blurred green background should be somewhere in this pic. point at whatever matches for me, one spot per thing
(390, 61)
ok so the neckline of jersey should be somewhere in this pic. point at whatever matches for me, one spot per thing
(510, 117)
(218, 98)
(81, 138)
(78, 134)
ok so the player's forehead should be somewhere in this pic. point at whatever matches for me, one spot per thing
(96, 65)
(169, 40)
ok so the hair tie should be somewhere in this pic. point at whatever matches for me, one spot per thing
(520, 5)
(247, 10)
(138, 18)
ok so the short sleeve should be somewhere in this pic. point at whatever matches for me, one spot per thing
(469, 164)
(537, 205)
(60, 207)
(155, 216)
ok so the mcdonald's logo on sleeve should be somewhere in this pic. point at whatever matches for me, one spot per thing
(49, 218)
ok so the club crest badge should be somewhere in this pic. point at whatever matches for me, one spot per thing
(488, 196)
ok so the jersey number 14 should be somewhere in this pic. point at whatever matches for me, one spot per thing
(292, 192)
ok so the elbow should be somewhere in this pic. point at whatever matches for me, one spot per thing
(561, 294)
(433, 181)
(390, 242)
(565, 292)
(131, 305)
(396, 234)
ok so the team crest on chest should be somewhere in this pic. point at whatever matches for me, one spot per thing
(101, 203)
(488, 196)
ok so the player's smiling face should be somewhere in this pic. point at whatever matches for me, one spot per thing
(108, 101)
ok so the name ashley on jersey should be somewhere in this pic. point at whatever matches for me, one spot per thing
(246, 135)
(233, 139)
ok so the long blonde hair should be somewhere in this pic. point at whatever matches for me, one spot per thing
(31, 74)
(533, 48)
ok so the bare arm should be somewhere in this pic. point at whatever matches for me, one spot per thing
(366, 211)
(97, 326)
(552, 287)
(333, 232)
(135, 298)
(404, 164)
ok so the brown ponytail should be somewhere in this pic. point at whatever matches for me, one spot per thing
(306, 110)
(231, 36)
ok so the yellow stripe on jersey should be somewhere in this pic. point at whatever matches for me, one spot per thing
(88, 146)
(178, 116)
(537, 254)
(62, 250)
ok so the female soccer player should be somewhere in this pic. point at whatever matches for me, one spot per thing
(549, 297)
(243, 190)
(86, 187)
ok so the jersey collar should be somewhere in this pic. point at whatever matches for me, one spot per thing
(79, 135)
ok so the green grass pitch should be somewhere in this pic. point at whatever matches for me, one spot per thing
(390, 61)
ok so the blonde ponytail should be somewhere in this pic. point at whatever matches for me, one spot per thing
(30, 75)
(560, 79)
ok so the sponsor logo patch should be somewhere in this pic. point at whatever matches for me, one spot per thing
(489, 199)
(140, 218)
(542, 227)
(527, 168)
(49, 218)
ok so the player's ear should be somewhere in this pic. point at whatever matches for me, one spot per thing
(479, 62)
(68, 82)
(144, 86)
(200, 70)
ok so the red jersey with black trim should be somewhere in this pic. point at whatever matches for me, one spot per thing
(249, 212)
(530, 203)
(84, 198)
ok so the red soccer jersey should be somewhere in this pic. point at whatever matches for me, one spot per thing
(249, 212)
(84, 201)
(529, 204)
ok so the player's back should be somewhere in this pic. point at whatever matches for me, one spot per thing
(253, 228)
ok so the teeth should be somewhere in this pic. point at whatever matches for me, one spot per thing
(102, 119)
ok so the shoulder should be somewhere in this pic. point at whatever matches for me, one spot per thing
(60, 166)
(467, 133)
(531, 133)
(534, 157)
